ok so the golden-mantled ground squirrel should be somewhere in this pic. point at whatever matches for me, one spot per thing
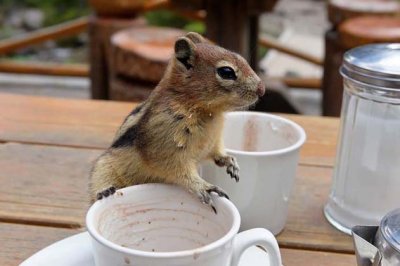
(180, 124)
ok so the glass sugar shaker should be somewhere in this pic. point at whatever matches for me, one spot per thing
(366, 178)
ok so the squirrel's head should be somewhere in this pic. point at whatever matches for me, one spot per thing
(212, 75)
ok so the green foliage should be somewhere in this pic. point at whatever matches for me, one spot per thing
(55, 11)
(196, 26)
(166, 18)
(262, 51)
(6, 32)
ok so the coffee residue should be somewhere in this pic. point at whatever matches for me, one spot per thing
(250, 137)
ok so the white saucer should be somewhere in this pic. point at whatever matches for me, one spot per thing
(77, 251)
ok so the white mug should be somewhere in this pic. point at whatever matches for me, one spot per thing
(164, 225)
(267, 150)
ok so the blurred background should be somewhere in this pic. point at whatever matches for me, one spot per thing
(118, 49)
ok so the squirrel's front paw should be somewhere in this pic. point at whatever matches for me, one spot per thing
(205, 196)
(232, 167)
(105, 193)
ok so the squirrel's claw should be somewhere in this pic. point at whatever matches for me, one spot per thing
(205, 196)
(232, 167)
(233, 172)
(105, 193)
(219, 191)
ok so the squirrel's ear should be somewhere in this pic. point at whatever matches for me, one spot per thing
(195, 37)
(184, 51)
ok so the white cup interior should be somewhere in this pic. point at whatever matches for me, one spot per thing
(160, 218)
(260, 132)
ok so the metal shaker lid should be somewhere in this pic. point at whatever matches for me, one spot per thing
(390, 229)
(374, 64)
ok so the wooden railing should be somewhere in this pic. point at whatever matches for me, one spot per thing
(51, 33)
(67, 29)
(53, 69)
(79, 25)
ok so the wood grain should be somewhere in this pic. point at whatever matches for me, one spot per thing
(44, 185)
(47, 185)
(292, 257)
(306, 226)
(92, 124)
(81, 123)
(21, 241)
(40, 68)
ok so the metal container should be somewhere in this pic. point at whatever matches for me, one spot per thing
(387, 239)
(366, 178)
(378, 246)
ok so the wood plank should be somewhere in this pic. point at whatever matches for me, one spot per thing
(92, 124)
(40, 68)
(322, 133)
(47, 185)
(293, 257)
(306, 227)
(44, 185)
(21, 241)
(83, 123)
(233, 30)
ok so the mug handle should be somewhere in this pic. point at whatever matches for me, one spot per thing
(258, 236)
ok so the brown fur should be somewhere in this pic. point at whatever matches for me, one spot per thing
(181, 123)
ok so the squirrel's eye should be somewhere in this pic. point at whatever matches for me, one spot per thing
(226, 73)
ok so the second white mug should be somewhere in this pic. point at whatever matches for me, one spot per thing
(267, 150)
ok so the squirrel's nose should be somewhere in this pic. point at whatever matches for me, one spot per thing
(260, 89)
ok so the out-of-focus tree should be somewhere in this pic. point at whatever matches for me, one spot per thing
(168, 18)
(55, 11)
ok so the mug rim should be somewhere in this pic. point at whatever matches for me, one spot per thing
(90, 225)
(301, 140)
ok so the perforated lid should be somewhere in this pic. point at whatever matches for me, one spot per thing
(374, 64)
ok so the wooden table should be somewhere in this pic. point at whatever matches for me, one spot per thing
(47, 146)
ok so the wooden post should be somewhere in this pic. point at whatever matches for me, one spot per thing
(253, 41)
(332, 83)
(227, 24)
(232, 24)
(100, 31)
